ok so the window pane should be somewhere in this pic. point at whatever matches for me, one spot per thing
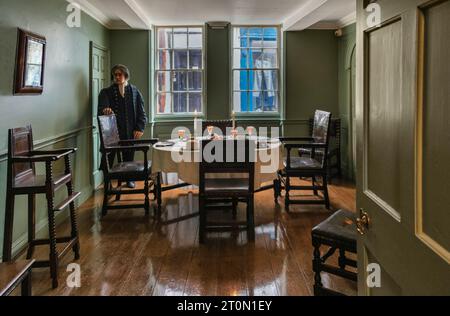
(179, 81)
(240, 101)
(270, 101)
(240, 37)
(180, 102)
(240, 58)
(270, 58)
(270, 37)
(264, 80)
(195, 102)
(240, 80)
(195, 59)
(256, 99)
(180, 59)
(180, 38)
(195, 80)
(164, 60)
(163, 81)
(195, 37)
(164, 103)
(256, 58)
(255, 36)
(165, 38)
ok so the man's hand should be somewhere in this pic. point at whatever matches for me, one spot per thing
(138, 134)
(108, 111)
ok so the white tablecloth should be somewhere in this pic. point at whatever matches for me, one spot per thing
(268, 162)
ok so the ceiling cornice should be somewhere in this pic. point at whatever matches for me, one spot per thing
(347, 20)
(93, 12)
(136, 8)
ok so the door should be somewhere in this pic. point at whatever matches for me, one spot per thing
(403, 148)
(99, 80)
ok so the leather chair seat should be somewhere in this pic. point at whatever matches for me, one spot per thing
(226, 186)
(303, 163)
(129, 167)
(341, 226)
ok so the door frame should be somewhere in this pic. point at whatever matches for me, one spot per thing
(92, 46)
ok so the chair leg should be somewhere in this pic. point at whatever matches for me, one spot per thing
(317, 263)
(276, 190)
(158, 192)
(341, 259)
(73, 223)
(52, 237)
(314, 181)
(9, 223)
(147, 199)
(105, 197)
(31, 224)
(250, 219)
(287, 198)
(119, 185)
(325, 192)
(202, 211)
(235, 204)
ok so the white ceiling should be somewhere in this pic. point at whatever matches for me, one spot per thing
(291, 14)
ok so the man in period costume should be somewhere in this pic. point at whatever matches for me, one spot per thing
(126, 102)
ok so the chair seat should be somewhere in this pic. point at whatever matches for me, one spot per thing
(226, 186)
(38, 181)
(307, 151)
(341, 226)
(129, 167)
(303, 163)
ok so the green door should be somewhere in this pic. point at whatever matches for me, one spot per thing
(403, 148)
(99, 80)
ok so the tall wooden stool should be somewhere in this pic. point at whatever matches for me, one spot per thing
(22, 180)
(338, 233)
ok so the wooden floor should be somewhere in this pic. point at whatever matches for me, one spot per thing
(126, 253)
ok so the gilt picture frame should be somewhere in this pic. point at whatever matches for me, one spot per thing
(30, 63)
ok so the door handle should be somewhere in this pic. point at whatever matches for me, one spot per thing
(363, 222)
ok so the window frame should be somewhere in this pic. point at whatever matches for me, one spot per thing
(280, 66)
(171, 70)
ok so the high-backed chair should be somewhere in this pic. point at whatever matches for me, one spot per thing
(312, 167)
(334, 163)
(112, 146)
(222, 125)
(23, 180)
(234, 156)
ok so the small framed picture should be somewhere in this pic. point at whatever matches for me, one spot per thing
(30, 63)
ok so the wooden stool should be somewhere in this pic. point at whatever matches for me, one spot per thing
(339, 233)
(23, 180)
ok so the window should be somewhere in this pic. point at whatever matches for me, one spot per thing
(256, 71)
(179, 70)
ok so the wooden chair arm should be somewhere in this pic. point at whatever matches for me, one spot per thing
(144, 148)
(306, 145)
(151, 141)
(296, 139)
(59, 152)
(37, 158)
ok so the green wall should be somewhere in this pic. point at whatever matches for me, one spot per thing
(311, 77)
(61, 115)
(346, 47)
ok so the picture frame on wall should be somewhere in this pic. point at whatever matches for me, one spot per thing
(30, 63)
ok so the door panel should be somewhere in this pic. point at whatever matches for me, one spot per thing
(99, 75)
(384, 114)
(402, 120)
(436, 125)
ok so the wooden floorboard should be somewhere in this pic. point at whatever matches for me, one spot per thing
(127, 253)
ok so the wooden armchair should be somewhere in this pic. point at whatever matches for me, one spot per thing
(23, 180)
(334, 163)
(111, 145)
(307, 167)
(242, 189)
(222, 125)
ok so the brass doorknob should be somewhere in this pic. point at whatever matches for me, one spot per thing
(363, 222)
